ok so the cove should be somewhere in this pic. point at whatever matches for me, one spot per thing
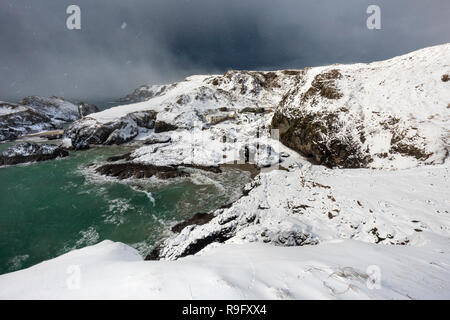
(52, 207)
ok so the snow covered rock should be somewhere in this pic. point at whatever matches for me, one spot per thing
(196, 102)
(388, 114)
(57, 109)
(144, 93)
(88, 130)
(31, 152)
(17, 120)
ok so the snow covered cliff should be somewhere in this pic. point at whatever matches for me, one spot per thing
(317, 221)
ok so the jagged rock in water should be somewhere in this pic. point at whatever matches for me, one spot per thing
(127, 170)
(139, 171)
(17, 120)
(57, 109)
(31, 152)
(85, 109)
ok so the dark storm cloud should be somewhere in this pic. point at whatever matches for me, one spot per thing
(165, 40)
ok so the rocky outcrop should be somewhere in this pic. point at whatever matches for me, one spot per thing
(139, 171)
(57, 109)
(144, 93)
(85, 109)
(88, 131)
(17, 120)
(31, 152)
(318, 136)
(162, 126)
(127, 170)
(35, 114)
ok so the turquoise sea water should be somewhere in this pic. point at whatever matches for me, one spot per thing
(49, 208)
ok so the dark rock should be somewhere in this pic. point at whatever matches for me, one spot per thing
(154, 254)
(125, 156)
(253, 110)
(54, 136)
(218, 236)
(197, 219)
(161, 126)
(316, 137)
(213, 169)
(144, 119)
(85, 109)
(157, 139)
(31, 152)
(138, 170)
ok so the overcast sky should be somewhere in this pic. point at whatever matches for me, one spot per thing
(123, 44)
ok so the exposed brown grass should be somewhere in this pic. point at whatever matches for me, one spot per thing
(324, 84)
(445, 78)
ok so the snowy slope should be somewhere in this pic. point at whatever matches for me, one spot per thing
(335, 270)
(16, 120)
(388, 114)
(313, 204)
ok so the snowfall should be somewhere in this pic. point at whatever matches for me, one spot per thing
(303, 231)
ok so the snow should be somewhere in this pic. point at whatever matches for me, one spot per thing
(316, 204)
(347, 269)
(8, 108)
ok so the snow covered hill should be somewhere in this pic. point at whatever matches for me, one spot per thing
(389, 114)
